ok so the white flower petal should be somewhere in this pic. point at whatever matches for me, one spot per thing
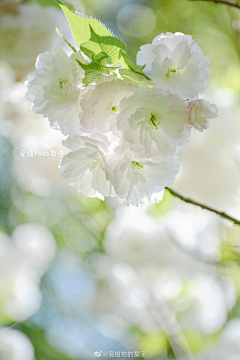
(140, 181)
(100, 105)
(200, 112)
(85, 168)
(54, 89)
(154, 123)
(146, 57)
(179, 64)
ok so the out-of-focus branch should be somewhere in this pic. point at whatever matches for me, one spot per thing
(169, 325)
(205, 207)
(166, 320)
(230, 3)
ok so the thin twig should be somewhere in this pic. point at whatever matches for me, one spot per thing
(230, 3)
(190, 201)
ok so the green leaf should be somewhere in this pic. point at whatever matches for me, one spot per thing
(136, 78)
(107, 40)
(91, 76)
(98, 67)
(58, 32)
(79, 25)
(107, 44)
(128, 64)
(91, 48)
(131, 66)
(102, 59)
(99, 57)
(94, 70)
(43, 2)
(87, 52)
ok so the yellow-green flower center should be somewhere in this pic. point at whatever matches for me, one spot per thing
(116, 109)
(154, 120)
(173, 70)
(137, 165)
(61, 82)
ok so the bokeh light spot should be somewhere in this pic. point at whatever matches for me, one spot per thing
(136, 20)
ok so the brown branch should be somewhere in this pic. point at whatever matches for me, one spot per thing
(205, 207)
(230, 3)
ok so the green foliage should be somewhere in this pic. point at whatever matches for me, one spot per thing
(80, 26)
(105, 50)
(235, 311)
(135, 78)
(128, 64)
(58, 32)
(94, 70)
(198, 342)
(161, 209)
(109, 45)
(43, 349)
(132, 71)
(154, 344)
(44, 2)
(229, 254)
(102, 58)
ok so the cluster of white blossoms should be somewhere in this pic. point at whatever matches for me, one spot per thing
(124, 135)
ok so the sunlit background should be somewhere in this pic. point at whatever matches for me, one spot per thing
(79, 275)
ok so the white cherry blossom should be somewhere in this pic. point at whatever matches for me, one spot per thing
(53, 89)
(140, 181)
(154, 123)
(124, 138)
(176, 63)
(200, 112)
(85, 167)
(100, 105)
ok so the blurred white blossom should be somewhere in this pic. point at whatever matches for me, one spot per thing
(24, 259)
(26, 30)
(147, 260)
(14, 345)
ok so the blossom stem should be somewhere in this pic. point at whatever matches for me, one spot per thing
(230, 3)
(205, 207)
